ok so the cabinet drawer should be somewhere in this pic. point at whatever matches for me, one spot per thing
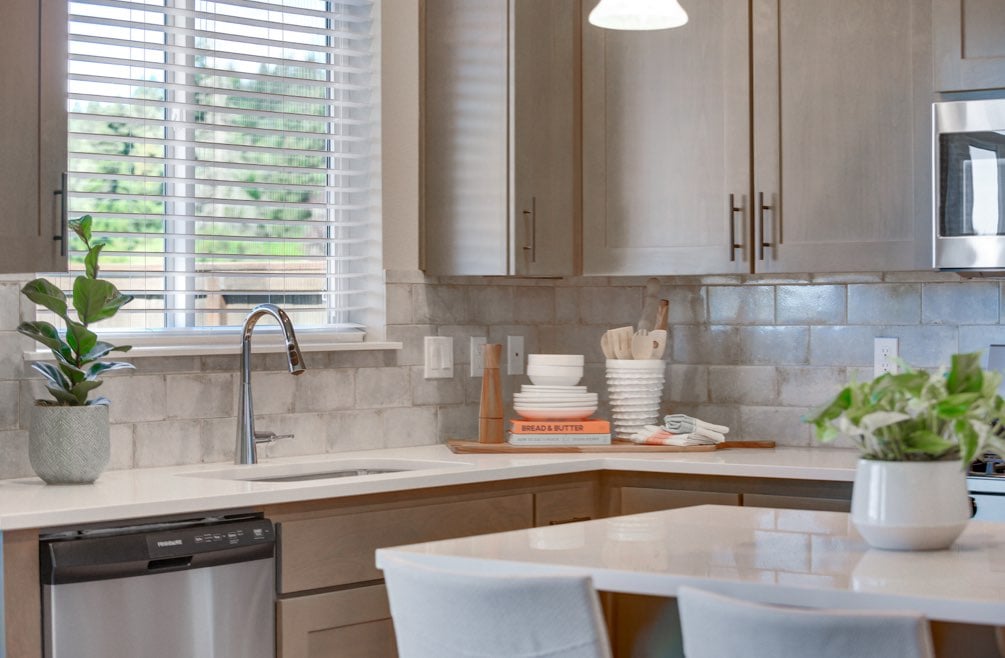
(797, 502)
(568, 505)
(338, 550)
(354, 623)
(635, 500)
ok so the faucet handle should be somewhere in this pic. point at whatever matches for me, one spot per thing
(268, 436)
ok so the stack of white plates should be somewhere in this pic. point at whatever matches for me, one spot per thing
(554, 402)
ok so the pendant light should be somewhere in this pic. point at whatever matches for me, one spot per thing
(638, 14)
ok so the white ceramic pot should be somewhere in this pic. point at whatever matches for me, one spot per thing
(910, 505)
(69, 445)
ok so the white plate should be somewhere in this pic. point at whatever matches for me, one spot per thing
(556, 414)
(552, 405)
(528, 388)
(584, 397)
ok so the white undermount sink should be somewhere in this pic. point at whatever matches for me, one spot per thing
(323, 470)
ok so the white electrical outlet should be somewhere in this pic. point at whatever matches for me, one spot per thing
(439, 357)
(514, 355)
(477, 355)
(885, 356)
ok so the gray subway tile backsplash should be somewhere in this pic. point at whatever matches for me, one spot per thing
(753, 352)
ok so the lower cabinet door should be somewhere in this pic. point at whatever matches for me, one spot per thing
(351, 623)
(635, 500)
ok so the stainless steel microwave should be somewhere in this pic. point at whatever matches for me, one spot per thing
(969, 185)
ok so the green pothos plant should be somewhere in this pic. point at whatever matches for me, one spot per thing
(919, 416)
(77, 351)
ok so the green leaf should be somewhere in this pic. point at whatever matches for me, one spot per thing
(969, 440)
(107, 366)
(82, 227)
(81, 339)
(48, 335)
(46, 294)
(52, 374)
(101, 349)
(100, 400)
(928, 443)
(81, 390)
(72, 372)
(965, 374)
(91, 260)
(955, 406)
(63, 397)
(96, 299)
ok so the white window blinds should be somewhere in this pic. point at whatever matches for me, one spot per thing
(227, 151)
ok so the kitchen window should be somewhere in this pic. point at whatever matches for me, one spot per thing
(228, 151)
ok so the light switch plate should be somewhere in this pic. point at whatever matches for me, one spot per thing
(439, 357)
(477, 355)
(514, 355)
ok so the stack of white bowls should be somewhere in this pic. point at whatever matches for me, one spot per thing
(635, 389)
(554, 393)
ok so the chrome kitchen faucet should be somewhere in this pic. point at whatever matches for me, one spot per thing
(247, 438)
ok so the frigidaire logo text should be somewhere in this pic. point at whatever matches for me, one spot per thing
(169, 542)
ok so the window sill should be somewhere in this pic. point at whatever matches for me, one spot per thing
(202, 346)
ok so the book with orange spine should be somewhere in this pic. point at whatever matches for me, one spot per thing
(588, 426)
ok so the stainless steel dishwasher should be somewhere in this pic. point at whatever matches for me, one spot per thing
(198, 588)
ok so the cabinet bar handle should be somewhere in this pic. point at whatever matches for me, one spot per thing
(761, 207)
(64, 217)
(531, 217)
(733, 244)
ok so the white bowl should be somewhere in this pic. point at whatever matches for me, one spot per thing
(556, 359)
(555, 375)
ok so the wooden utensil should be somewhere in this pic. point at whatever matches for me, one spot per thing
(490, 410)
(606, 347)
(661, 315)
(621, 339)
(649, 306)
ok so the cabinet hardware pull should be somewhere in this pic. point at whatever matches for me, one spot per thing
(64, 217)
(531, 217)
(733, 244)
(761, 207)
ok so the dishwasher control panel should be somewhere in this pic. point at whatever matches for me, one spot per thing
(188, 541)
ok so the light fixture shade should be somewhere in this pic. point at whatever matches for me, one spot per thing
(638, 14)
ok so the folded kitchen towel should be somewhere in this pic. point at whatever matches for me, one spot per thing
(681, 424)
(658, 436)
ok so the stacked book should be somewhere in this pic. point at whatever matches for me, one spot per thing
(589, 432)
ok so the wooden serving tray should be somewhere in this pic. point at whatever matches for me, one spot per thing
(472, 447)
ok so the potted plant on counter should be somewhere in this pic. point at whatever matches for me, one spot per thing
(68, 438)
(917, 433)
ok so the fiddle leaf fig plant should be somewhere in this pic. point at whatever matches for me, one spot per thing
(77, 351)
(919, 416)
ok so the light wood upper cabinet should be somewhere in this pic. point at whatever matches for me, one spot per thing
(810, 115)
(969, 44)
(501, 137)
(841, 108)
(666, 141)
(32, 134)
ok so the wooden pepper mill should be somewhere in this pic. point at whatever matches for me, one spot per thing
(490, 411)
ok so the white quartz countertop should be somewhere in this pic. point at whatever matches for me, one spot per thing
(140, 493)
(790, 557)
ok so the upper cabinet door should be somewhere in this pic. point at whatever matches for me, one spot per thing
(841, 106)
(666, 135)
(32, 135)
(969, 38)
(544, 136)
(501, 136)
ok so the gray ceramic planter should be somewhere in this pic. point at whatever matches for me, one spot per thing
(69, 445)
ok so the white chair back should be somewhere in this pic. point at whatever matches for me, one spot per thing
(440, 613)
(716, 626)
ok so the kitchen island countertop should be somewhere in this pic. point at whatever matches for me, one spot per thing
(139, 493)
(788, 557)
